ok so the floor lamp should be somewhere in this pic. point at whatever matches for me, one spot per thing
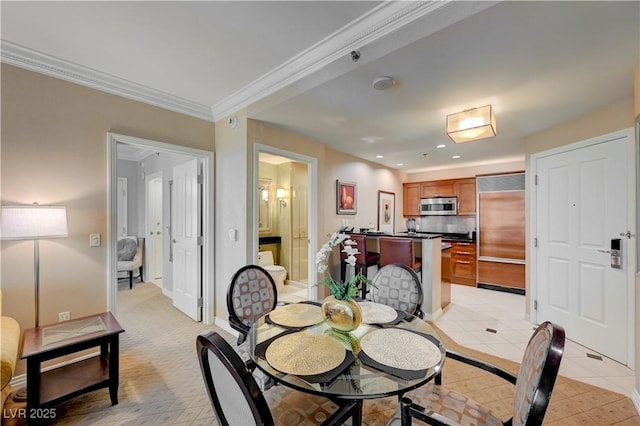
(34, 222)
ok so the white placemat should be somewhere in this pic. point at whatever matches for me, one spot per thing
(296, 315)
(305, 353)
(400, 349)
(377, 313)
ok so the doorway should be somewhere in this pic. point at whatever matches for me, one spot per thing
(284, 188)
(205, 160)
(583, 209)
(155, 220)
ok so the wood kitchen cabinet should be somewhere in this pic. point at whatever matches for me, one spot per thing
(463, 263)
(437, 188)
(465, 190)
(411, 199)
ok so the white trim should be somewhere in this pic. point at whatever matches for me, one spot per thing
(23, 57)
(225, 326)
(378, 23)
(631, 219)
(312, 226)
(635, 398)
(208, 268)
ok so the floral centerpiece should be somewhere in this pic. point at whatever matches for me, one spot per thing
(340, 310)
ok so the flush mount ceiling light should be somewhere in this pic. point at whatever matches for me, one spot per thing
(383, 83)
(472, 124)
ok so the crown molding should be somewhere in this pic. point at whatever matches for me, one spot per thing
(377, 23)
(373, 25)
(14, 54)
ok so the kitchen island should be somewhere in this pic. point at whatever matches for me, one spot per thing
(427, 246)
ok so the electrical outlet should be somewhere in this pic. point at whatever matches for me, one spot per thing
(94, 240)
(64, 316)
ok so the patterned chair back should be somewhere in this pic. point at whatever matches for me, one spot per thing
(398, 286)
(251, 294)
(537, 374)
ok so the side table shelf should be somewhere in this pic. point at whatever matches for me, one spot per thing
(74, 379)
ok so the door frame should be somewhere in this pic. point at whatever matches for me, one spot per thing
(208, 267)
(631, 221)
(149, 255)
(312, 222)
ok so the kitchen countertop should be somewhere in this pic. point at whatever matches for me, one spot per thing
(448, 237)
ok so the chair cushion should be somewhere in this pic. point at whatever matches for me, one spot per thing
(10, 334)
(127, 248)
(397, 287)
(252, 295)
(457, 407)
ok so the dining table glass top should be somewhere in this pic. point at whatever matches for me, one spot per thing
(390, 353)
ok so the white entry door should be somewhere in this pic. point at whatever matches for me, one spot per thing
(154, 225)
(186, 230)
(580, 206)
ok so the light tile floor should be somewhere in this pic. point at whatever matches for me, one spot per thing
(473, 310)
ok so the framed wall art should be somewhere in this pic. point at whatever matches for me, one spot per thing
(345, 197)
(386, 211)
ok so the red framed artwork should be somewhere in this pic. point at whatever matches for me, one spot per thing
(345, 197)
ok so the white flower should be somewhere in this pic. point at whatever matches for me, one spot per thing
(334, 240)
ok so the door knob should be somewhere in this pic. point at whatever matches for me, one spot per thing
(604, 251)
(174, 241)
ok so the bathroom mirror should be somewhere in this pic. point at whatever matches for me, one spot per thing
(265, 197)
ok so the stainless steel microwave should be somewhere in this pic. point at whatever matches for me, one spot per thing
(439, 206)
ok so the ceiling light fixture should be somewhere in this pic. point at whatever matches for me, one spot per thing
(472, 124)
(456, 156)
(441, 146)
(383, 83)
(379, 156)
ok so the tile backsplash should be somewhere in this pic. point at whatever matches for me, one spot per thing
(458, 224)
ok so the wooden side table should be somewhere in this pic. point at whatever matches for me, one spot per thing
(45, 389)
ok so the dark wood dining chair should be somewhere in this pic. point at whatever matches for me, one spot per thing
(398, 286)
(436, 405)
(399, 250)
(364, 260)
(237, 400)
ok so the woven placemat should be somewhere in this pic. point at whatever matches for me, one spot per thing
(296, 315)
(305, 353)
(377, 313)
(401, 349)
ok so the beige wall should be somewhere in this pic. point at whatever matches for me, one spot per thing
(54, 151)
(466, 172)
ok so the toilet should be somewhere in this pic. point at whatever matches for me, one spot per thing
(277, 272)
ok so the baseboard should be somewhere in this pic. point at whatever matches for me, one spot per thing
(21, 380)
(225, 326)
(167, 293)
(434, 316)
(635, 398)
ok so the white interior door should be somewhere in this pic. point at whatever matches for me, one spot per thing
(121, 207)
(154, 226)
(186, 230)
(581, 205)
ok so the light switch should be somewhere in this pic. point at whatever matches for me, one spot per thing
(233, 234)
(94, 240)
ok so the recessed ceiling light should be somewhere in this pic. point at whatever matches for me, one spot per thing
(456, 156)
(379, 156)
(400, 164)
(441, 146)
(372, 139)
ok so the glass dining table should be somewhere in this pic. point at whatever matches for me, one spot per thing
(390, 353)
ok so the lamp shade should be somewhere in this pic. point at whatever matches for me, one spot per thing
(33, 222)
(472, 124)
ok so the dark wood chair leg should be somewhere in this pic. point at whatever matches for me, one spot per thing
(141, 277)
(343, 270)
(130, 280)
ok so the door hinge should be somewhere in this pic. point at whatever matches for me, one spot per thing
(535, 180)
(200, 180)
(199, 302)
(535, 305)
(200, 240)
(535, 242)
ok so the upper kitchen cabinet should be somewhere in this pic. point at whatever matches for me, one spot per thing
(411, 199)
(437, 188)
(465, 190)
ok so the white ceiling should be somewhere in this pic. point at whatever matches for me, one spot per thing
(288, 63)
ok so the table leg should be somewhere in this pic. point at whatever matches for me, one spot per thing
(33, 389)
(114, 369)
(358, 417)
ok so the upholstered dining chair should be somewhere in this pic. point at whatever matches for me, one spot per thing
(398, 286)
(364, 260)
(252, 293)
(237, 400)
(435, 405)
(399, 250)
